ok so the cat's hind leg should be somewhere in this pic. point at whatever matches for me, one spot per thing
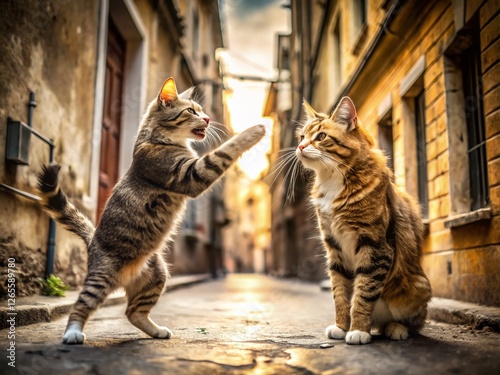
(406, 320)
(396, 331)
(143, 294)
(98, 285)
(408, 307)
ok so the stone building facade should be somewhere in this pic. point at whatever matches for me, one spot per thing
(425, 80)
(93, 66)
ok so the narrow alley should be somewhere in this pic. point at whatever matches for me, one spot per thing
(247, 324)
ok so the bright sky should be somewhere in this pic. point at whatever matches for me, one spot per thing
(250, 28)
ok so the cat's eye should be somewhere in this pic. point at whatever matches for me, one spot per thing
(191, 110)
(301, 138)
(320, 136)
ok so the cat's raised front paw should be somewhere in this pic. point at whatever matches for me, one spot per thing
(396, 331)
(358, 337)
(256, 131)
(334, 332)
(163, 333)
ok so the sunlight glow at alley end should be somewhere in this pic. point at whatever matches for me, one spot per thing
(245, 107)
(251, 30)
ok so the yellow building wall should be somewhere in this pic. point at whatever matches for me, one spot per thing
(471, 252)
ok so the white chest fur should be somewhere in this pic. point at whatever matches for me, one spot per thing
(328, 189)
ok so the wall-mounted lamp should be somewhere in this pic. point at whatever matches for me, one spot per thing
(19, 136)
(18, 142)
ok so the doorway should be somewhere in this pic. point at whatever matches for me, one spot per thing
(112, 116)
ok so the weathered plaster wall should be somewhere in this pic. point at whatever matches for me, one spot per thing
(48, 47)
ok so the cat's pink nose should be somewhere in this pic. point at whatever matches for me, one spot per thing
(303, 144)
(207, 119)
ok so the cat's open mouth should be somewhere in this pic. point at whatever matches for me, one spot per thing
(199, 132)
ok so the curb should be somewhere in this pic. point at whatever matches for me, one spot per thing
(40, 309)
(456, 312)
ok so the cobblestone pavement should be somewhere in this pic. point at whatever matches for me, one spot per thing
(245, 324)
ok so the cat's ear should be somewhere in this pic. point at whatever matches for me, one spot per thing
(188, 94)
(168, 92)
(345, 113)
(310, 112)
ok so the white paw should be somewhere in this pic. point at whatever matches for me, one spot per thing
(358, 337)
(163, 333)
(396, 331)
(259, 130)
(334, 332)
(74, 335)
(254, 133)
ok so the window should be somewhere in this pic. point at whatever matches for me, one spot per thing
(423, 196)
(385, 138)
(284, 51)
(478, 166)
(196, 34)
(469, 187)
(358, 25)
(358, 16)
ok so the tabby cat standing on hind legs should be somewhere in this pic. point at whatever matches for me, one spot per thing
(372, 232)
(147, 202)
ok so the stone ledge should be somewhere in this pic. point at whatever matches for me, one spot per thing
(458, 312)
(468, 218)
(38, 309)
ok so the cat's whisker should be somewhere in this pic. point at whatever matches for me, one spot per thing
(291, 185)
(280, 163)
(287, 174)
(215, 136)
(314, 238)
(337, 161)
(220, 125)
(212, 142)
(285, 152)
(294, 176)
(219, 130)
(325, 159)
(283, 163)
(280, 160)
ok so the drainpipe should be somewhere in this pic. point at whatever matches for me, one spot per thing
(51, 241)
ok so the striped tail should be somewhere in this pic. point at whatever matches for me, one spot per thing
(59, 208)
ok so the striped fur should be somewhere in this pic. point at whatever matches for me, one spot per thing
(371, 231)
(144, 208)
(59, 208)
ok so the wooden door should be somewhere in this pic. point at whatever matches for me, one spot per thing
(111, 119)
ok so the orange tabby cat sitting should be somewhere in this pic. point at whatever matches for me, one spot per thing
(372, 232)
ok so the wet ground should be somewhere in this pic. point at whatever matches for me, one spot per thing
(245, 324)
